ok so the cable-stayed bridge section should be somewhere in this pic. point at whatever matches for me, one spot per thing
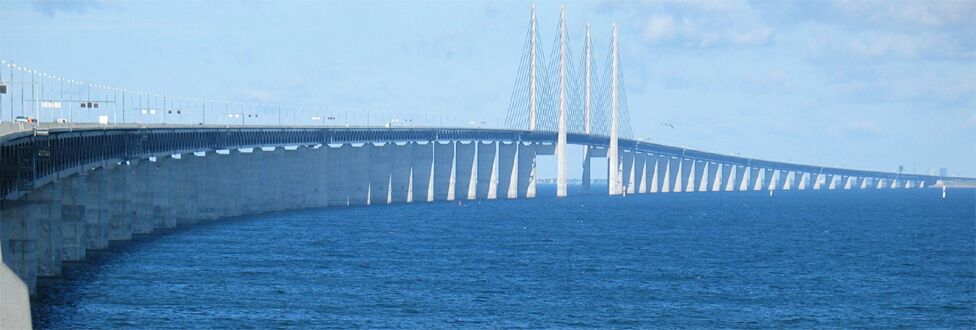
(73, 187)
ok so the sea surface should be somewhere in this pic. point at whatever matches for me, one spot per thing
(801, 259)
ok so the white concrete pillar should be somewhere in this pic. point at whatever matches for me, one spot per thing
(626, 171)
(465, 170)
(642, 178)
(422, 175)
(380, 172)
(672, 175)
(443, 167)
(733, 179)
(486, 167)
(656, 173)
(508, 170)
(714, 182)
(402, 155)
(526, 170)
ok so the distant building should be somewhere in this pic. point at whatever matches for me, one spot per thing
(943, 171)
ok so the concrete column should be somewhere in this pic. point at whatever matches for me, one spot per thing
(97, 212)
(865, 183)
(120, 213)
(895, 184)
(722, 175)
(789, 181)
(232, 178)
(162, 188)
(752, 175)
(508, 170)
(734, 178)
(767, 179)
(848, 182)
(656, 173)
(587, 177)
(423, 165)
(671, 174)
(684, 171)
(380, 172)
(338, 175)
(710, 178)
(73, 218)
(358, 163)
(400, 177)
(18, 234)
(804, 181)
(205, 180)
(443, 166)
(140, 196)
(526, 170)
(627, 171)
(642, 178)
(486, 167)
(465, 170)
(318, 168)
(699, 177)
(47, 213)
(185, 190)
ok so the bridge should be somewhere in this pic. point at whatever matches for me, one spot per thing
(72, 187)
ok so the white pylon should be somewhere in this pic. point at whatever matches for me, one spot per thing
(561, 184)
(532, 74)
(612, 152)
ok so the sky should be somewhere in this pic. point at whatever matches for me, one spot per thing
(857, 84)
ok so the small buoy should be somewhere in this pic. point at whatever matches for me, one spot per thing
(943, 192)
(459, 203)
(770, 192)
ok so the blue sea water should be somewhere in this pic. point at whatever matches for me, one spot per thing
(801, 259)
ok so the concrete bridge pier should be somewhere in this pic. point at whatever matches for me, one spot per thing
(162, 189)
(141, 195)
(120, 214)
(47, 214)
(465, 170)
(526, 170)
(443, 168)
(487, 170)
(95, 199)
(400, 171)
(380, 172)
(185, 195)
(18, 234)
(357, 159)
(208, 191)
(73, 227)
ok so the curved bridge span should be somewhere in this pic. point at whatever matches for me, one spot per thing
(71, 189)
